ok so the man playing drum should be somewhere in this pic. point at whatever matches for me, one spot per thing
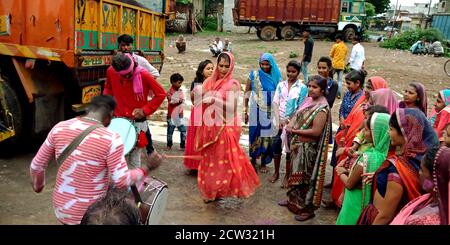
(130, 84)
(97, 162)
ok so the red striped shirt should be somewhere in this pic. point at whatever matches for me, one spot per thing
(85, 175)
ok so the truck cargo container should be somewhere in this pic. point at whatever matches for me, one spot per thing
(287, 18)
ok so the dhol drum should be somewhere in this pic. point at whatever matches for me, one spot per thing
(127, 132)
(151, 198)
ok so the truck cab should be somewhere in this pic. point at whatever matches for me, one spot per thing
(352, 18)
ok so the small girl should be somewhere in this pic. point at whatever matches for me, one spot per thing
(289, 95)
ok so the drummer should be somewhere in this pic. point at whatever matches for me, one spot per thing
(130, 84)
(97, 162)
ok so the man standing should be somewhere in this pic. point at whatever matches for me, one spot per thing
(307, 53)
(338, 54)
(357, 57)
(96, 163)
(125, 41)
(130, 84)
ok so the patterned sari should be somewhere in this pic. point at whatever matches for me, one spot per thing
(357, 199)
(261, 129)
(309, 159)
(419, 136)
(224, 170)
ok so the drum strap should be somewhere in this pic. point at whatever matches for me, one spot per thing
(75, 143)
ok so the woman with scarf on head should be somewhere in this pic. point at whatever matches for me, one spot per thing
(396, 182)
(424, 210)
(357, 193)
(415, 97)
(224, 170)
(130, 84)
(260, 90)
(441, 113)
(384, 97)
(308, 131)
(348, 131)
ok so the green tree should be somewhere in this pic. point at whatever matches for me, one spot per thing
(370, 9)
(380, 5)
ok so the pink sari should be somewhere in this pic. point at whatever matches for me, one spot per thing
(194, 121)
(225, 170)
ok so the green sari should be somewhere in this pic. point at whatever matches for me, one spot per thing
(356, 200)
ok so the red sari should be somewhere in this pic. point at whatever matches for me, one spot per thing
(225, 170)
(353, 124)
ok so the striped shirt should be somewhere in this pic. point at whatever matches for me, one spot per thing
(289, 99)
(86, 174)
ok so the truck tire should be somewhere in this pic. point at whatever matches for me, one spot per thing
(268, 33)
(287, 33)
(258, 34)
(349, 33)
(17, 109)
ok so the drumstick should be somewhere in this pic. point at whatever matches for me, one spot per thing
(185, 157)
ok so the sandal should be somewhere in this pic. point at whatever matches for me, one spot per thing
(283, 203)
(304, 216)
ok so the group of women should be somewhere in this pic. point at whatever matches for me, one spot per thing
(388, 153)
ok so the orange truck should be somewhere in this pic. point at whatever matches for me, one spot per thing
(54, 55)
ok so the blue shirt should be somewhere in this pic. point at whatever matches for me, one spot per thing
(348, 103)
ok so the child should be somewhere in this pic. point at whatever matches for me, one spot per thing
(324, 69)
(289, 95)
(175, 99)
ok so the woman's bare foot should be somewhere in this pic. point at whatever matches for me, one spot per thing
(263, 169)
(274, 177)
(285, 184)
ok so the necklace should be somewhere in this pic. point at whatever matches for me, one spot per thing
(92, 119)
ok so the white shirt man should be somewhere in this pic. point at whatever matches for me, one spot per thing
(357, 57)
(143, 62)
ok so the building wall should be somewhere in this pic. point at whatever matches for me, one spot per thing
(444, 6)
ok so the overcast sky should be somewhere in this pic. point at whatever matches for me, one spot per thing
(411, 2)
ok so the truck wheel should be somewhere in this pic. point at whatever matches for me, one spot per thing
(258, 34)
(287, 32)
(268, 33)
(16, 107)
(349, 33)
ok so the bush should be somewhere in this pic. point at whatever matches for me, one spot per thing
(210, 23)
(405, 40)
(293, 54)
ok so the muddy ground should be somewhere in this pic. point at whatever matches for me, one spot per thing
(20, 205)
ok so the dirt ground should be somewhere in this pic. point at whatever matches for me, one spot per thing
(20, 205)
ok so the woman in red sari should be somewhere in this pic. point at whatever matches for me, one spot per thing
(351, 126)
(225, 170)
